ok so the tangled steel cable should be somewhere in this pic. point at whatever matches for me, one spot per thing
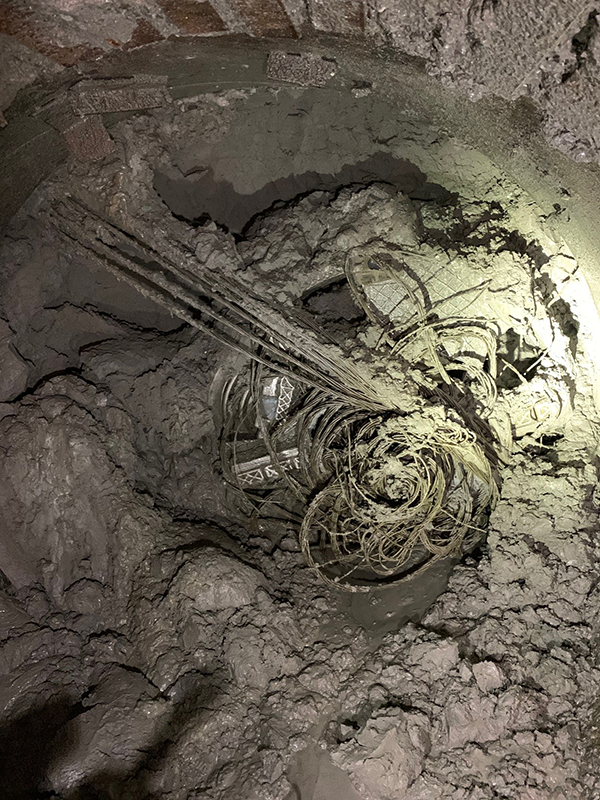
(390, 479)
(385, 495)
(404, 492)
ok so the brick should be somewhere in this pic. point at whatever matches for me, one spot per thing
(304, 69)
(89, 140)
(144, 33)
(69, 56)
(193, 17)
(22, 25)
(265, 17)
(106, 96)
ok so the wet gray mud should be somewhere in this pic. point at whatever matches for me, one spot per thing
(161, 639)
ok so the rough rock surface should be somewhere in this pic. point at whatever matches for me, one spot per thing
(548, 53)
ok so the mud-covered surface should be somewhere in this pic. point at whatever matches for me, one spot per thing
(161, 641)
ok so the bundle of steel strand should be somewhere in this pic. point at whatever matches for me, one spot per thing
(229, 310)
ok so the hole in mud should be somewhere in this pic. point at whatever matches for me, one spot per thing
(545, 448)
(559, 310)
(517, 360)
(347, 728)
(334, 302)
(336, 309)
(205, 197)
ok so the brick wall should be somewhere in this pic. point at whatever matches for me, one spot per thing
(68, 33)
(549, 52)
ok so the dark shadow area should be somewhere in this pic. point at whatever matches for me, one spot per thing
(517, 360)
(26, 745)
(30, 743)
(559, 310)
(199, 198)
(335, 309)
(199, 694)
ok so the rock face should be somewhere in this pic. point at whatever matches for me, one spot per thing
(510, 50)
(160, 639)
